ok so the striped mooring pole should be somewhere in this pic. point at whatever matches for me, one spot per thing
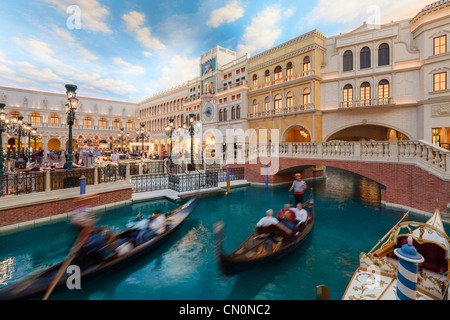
(408, 262)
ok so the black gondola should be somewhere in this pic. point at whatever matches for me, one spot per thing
(264, 245)
(39, 283)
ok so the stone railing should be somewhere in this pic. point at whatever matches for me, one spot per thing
(427, 156)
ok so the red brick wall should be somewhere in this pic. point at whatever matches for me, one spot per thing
(406, 185)
(44, 210)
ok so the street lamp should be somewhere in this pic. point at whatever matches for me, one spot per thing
(169, 132)
(142, 135)
(3, 127)
(71, 107)
(121, 137)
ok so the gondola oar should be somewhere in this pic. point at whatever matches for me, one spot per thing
(65, 265)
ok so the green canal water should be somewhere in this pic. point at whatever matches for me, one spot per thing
(349, 220)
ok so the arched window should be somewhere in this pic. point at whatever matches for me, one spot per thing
(255, 80)
(278, 73)
(35, 119)
(348, 96)
(348, 61)
(383, 55)
(365, 95)
(289, 100)
(289, 69)
(117, 124)
(365, 58)
(88, 123)
(238, 112)
(220, 115)
(102, 123)
(130, 125)
(383, 92)
(278, 103)
(233, 113)
(267, 76)
(306, 64)
(267, 104)
(54, 120)
(255, 106)
(306, 97)
(225, 114)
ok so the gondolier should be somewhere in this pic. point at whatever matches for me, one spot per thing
(299, 186)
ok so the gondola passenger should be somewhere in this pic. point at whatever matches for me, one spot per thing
(268, 220)
(301, 215)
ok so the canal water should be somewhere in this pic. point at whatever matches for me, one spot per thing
(349, 220)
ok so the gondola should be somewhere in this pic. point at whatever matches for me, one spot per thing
(39, 283)
(377, 277)
(264, 245)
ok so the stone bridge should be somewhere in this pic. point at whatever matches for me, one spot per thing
(413, 174)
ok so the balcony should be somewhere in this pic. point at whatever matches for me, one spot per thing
(366, 103)
(301, 75)
(281, 111)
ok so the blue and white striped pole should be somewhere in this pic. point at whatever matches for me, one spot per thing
(408, 261)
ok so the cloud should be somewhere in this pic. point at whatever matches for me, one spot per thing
(263, 30)
(230, 13)
(5, 69)
(147, 54)
(71, 41)
(355, 12)
(129, 68)
(4, 60)
(134, 21)
(93, 15)
(41, 51)
(178, 70)
(41, 75)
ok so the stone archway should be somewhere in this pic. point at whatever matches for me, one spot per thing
(54, 144)
(368, 132)
(296, 133)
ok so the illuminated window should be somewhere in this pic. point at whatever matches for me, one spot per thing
(348, 96)
(267, 76)
(255, 106)
(117, 124)
(306, 64)
(88, 123)
(440, 45)
(267, 104)
(383, 92)
(102, 123)
(35, 119)
(278, 103)
(278, 73)
(255, 80)
(365, 94)
(306, 96)
(129, 125)
(440, 81)
(289, 69)
(54, 120)
(289, 100)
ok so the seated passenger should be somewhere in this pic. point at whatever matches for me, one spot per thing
(158, 223)
(287, 210)
(301, 215)
(268, 220)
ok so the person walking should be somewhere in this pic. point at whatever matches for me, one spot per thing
(299, 186)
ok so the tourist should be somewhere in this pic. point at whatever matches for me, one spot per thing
(286, 212)
(158, 223)
(268, 220)
(301, 215)
(299, 186)
(115, 156)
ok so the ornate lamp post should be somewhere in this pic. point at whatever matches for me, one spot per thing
(122, 136)
(142, 135)
(169, 132)
(71, 107)
(191, 131)
(3, 128)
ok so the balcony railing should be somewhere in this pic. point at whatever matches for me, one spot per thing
(303, 74)
(366, 103)
(281, 111)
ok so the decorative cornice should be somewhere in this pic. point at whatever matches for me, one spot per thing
(313, 33)
(287, 56)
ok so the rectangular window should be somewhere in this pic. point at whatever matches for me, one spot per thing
(440, 45)
(440, 81)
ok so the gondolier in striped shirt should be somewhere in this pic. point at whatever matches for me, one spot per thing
(299, 186)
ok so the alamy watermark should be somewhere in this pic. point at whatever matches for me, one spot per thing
(74, 20)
